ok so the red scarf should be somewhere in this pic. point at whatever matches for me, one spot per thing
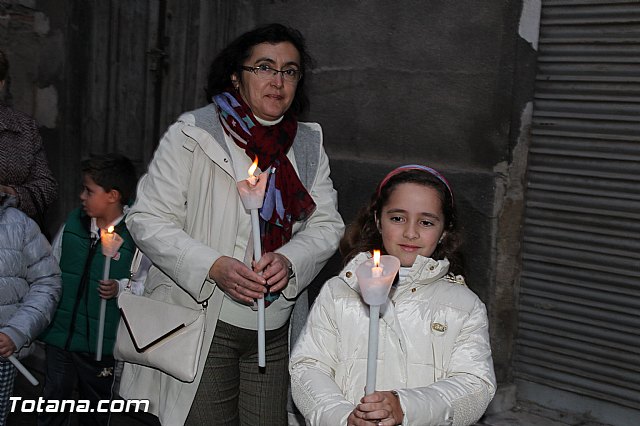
(270, 144)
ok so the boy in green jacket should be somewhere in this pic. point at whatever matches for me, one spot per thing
(108, 185)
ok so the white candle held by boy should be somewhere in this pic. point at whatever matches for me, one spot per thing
(111, 242)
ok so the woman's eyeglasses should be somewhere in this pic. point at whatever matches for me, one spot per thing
(265, 72)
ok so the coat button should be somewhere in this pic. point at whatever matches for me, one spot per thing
(226, 160)
(436, 326)
(349, 274)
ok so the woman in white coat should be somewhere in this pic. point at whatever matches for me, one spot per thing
(190, 221)
(434, 358)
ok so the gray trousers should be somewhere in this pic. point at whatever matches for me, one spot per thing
(233, 390)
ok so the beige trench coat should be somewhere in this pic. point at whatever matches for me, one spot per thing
(186, 217)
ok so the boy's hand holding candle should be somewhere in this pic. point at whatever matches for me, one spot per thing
(108, 289)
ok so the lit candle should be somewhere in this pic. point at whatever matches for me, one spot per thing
(251, 192)
(376, 271)
(253, 180)
(111, 242)
(257, 254)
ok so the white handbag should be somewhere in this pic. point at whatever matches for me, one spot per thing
(158, 334)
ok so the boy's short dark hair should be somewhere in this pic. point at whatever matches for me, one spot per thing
(112, 171)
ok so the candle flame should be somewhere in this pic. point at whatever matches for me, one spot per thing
(376, 258)
(110, 229)
(254, 166)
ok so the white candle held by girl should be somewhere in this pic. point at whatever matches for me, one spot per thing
(374, 286)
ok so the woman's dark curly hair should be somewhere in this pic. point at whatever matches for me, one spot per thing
(363, 235)
(232, 57)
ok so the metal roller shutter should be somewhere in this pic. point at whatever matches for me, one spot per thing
(579, 303)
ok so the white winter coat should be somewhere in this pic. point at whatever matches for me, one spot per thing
(186, 216)
(433, 349)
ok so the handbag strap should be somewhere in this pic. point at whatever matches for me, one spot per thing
(133, 269)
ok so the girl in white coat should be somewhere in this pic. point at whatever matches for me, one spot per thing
(434, 355)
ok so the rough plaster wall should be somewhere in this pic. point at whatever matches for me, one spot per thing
(509, 210)
(510, 200)
(426, 77)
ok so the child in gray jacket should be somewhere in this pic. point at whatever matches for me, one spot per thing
(30, 288)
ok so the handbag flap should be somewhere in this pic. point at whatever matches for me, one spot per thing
(149, 321)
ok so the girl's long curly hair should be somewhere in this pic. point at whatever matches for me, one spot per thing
(363, 235)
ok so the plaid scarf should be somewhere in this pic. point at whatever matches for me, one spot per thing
(286, 199)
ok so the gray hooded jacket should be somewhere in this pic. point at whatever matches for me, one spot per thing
(30, 284)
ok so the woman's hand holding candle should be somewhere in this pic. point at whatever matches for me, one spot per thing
(237, 280)
(274, 268)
